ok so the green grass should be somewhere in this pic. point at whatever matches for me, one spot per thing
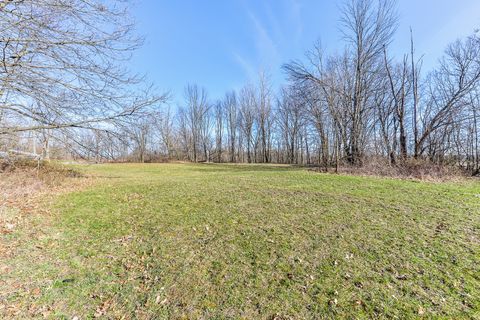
(254, 242)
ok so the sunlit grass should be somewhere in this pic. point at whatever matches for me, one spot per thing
(255, 242)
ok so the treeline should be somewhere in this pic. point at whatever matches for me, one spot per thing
(63, 75)
(335, 109)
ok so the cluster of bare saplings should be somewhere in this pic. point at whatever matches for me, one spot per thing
(64, 95)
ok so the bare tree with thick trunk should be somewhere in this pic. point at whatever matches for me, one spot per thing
(62, 64)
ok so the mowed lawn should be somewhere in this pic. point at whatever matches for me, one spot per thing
(209, 241)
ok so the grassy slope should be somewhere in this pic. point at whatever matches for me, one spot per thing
(228, 241)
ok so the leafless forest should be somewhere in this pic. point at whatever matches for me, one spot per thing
(65, 93)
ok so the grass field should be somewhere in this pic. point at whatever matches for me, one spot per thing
(249, 242)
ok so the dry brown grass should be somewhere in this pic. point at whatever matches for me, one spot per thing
(22, 183)
(411, 170)
(26, 188)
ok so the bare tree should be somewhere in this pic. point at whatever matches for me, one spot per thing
(231, 116)
(449, 88)
(62, 65)
(368, 27)
(247, 117)
(219, 130)
(166, 129)
(415, 70)
(399, 86)
(197, 119)
(291, 119)
(264, 116)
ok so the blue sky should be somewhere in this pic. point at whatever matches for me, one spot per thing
(222, 44)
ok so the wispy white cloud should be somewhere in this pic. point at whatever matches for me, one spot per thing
(266, 47)
(295, 9)
(274, 27)
(460, 24)
(248, 68)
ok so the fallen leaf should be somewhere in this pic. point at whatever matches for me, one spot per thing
(421, 311)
